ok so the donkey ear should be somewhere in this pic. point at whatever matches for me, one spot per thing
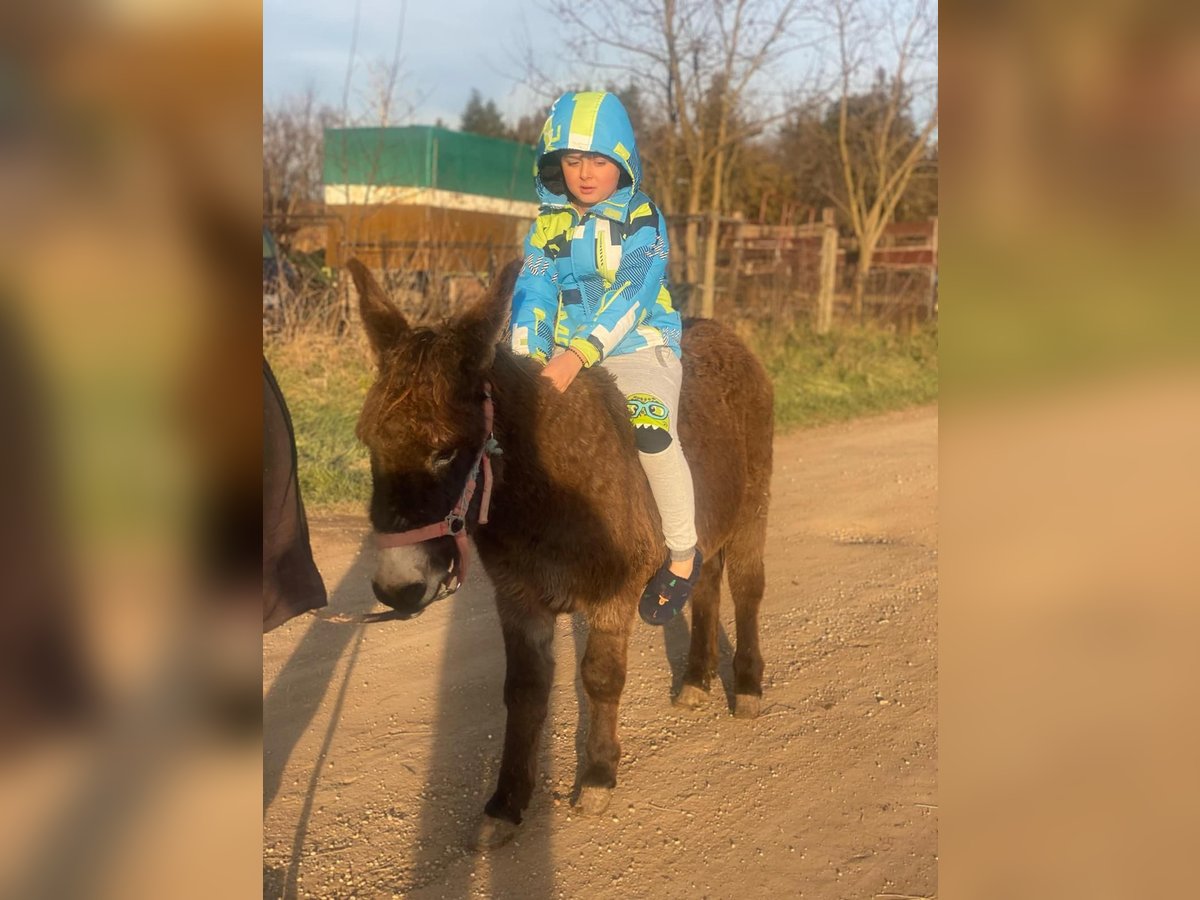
(483, 323)
(382, 321)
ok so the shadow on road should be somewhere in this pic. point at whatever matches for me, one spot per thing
(295, 696)
(677, 638)
(468, 727)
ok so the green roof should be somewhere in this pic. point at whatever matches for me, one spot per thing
(430, 157)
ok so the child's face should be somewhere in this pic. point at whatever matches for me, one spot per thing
(590, 177)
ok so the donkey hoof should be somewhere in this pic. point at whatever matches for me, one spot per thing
(691, 697)
(593, 800)
(492, 833)
(747, 706)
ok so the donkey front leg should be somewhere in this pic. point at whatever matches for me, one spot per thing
(603, 672)
(528, 646)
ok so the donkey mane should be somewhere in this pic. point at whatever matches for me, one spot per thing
(413, 378)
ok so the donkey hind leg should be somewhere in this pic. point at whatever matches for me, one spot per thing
(603, 674)
(703, 656)
(746, 582)
(528, 646)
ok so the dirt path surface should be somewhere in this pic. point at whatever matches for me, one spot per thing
(382, 740)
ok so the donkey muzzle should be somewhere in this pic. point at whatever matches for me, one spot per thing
(409, 578)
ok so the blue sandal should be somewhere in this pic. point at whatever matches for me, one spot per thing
(666, 595)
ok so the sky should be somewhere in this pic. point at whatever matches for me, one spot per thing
(447, 47)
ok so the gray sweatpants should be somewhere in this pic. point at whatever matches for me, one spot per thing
(650, 379)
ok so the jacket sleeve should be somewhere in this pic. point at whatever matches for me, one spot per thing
(535, 300)
(639, 279)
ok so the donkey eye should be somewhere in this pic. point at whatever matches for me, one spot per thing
(441, 459)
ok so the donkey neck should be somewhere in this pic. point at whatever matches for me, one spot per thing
(573, 523)
(571, 514)
(576, 443)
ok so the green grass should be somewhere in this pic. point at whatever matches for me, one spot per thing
(848, 373)
(818, 379)
(324, 381)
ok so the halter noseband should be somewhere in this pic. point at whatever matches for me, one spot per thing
(455, 523)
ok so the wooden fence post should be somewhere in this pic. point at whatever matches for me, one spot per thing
(931, 300)
(736, 265)
(829, 247)
(708, 292)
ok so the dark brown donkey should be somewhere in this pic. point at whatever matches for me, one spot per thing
(571, 525)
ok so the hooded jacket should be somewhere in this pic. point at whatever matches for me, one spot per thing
(595, 282)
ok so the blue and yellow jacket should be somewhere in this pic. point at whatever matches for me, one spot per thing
(596, 282)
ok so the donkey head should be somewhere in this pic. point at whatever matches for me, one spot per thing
(423, 423)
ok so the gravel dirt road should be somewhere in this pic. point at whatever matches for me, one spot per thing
(382, 740)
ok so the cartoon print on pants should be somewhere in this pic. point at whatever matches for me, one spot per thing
(651, 423)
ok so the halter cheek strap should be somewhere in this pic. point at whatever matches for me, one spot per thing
(455, 523)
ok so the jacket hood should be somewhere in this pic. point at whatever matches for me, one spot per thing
(594, 121)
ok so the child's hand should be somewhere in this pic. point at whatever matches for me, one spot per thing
(562, 370)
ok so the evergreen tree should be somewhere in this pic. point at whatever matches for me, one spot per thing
(482, 118)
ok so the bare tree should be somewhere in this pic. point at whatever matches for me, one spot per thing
(879, 160)
(385, 100)
(382, 102)
(293, 148)
(751, 34)
(293, 129)
(700, 61)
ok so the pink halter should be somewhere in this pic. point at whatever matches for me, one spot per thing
(455, 524)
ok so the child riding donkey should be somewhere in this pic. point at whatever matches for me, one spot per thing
(593, 291)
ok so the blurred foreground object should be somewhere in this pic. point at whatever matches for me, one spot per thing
(44, 681)
(1070, 193)
(1070, 437)
(130, 166)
